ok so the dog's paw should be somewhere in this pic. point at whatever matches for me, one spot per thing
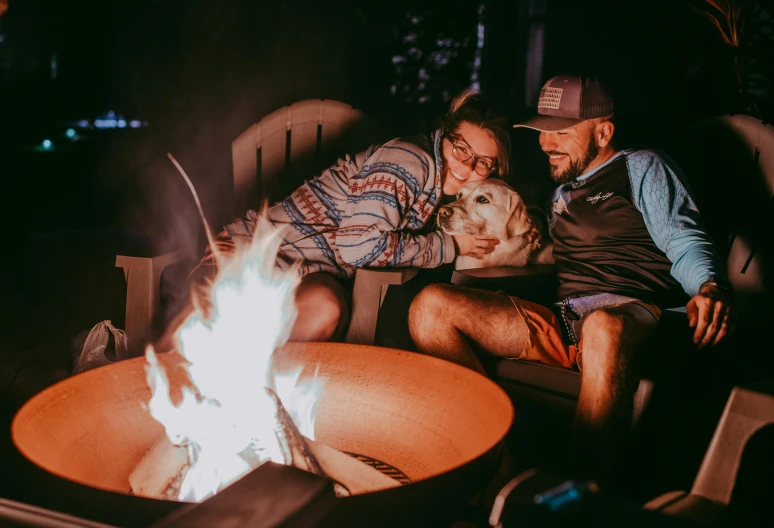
(544, 255)
(533, 237)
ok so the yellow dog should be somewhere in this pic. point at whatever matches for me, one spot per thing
(491, 208)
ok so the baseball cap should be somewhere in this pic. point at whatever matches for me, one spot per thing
(566, 100)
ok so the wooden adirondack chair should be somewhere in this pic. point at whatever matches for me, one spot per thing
(270, 159)
(748, 410)
(712, 501)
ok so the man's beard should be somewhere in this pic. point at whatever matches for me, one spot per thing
(577, 167)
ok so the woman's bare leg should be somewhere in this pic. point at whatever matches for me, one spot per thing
(323, 312)
(323, 309)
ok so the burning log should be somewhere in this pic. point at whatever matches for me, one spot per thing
(161, 471)
(294, 447)
(357, 476)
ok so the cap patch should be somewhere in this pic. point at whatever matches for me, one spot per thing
(550, 98)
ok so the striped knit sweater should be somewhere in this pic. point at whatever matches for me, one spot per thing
(364, 211)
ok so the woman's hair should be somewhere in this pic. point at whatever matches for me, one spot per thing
(471, 107)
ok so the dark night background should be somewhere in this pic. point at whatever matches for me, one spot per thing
(200, 72)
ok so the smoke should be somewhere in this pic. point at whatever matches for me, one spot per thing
(218, 72)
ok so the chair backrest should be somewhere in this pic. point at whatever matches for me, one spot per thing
(293, 143)
(746, 412)
(746, 258)
(730, 163)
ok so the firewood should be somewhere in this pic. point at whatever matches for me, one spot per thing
(355, 475)
(295, 449)
(271, 495)
(161, 471)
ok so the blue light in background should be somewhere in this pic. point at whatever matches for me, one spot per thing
(47, 144)
(105, 123)
(70, 133)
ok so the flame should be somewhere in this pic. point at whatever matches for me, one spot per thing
(226, 420)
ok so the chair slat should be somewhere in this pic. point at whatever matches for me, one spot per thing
(336, 119)
(745, 267)
(304, 158)
(274, 129)
(244, 157)
(273, 157)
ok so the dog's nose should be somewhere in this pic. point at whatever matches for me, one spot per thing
(445, 212)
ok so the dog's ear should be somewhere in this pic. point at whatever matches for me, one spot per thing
(519, 221)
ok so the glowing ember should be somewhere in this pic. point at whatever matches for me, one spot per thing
(227, 420)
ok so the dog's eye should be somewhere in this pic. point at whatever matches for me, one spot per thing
(482, 199)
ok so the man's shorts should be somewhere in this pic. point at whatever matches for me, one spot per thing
(555, 332)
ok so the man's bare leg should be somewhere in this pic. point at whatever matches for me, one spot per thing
(610, 374)
(452, 323)
(323, 309)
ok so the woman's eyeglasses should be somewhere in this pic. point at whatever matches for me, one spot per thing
(462, 152)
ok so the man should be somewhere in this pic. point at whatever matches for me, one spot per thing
(628, 241)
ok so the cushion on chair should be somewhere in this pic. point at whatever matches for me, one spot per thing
(562, 382)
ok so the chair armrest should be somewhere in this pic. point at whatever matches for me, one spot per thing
(748, 410)
(534, 282)
(367, 297)
(662, 501)
(143, 276)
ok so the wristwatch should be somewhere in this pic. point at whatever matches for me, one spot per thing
(720, 284)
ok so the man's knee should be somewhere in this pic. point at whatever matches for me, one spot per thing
(429, 306)
(602, 335)
(604, 325)
(429, 302)
(610, 338)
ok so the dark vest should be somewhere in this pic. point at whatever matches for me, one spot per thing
(601, 243)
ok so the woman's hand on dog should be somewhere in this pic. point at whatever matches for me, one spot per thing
(473, 246)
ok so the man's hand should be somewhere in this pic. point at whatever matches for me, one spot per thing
(708, 311)
(473, 246)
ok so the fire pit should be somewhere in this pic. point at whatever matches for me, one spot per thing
(421, 419)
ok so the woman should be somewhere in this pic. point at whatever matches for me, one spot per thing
(369, 211)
